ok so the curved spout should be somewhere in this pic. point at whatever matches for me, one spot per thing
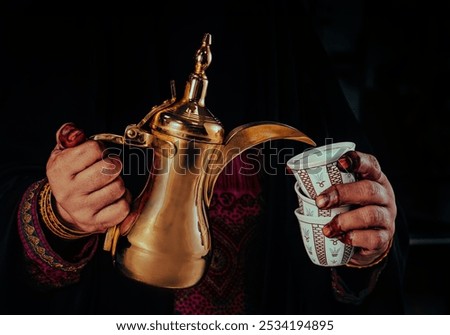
(244, 137)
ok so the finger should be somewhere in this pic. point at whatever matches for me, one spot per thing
(112, 214)
(77, 159)
(107, 194)
(345, 164)
(128, 196)
(69, 136)
(365, 166)
(128, 222)
(369, 245)
(98, 175)
(368, 217)
(362, 192)
(363, 257)
(369, 241)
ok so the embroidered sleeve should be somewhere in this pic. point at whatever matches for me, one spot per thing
(45, 268)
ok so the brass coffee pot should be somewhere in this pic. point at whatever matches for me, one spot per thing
(165, 240)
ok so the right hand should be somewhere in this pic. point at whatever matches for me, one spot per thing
(89, 192)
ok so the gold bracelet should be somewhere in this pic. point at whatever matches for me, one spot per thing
(50, 219)
(375, 262)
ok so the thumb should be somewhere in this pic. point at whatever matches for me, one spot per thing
(69, 136)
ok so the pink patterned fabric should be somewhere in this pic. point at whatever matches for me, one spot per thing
(233, 217)
(46, 267)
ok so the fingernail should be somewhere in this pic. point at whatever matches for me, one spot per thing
(70, 136)
(345, 164)
(67, 128)
(322, 200)
(326, 230)
(74, 134)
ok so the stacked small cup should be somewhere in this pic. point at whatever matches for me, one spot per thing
(315, 170)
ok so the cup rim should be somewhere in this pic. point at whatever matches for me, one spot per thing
(309, 158)
(312, 219)
(303, 196)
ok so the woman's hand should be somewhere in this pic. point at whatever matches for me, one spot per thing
(89, 192)
(370, 226)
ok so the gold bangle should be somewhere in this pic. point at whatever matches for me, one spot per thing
(50, 219)
(375, 262)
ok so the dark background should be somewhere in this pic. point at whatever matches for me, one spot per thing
(393, 61)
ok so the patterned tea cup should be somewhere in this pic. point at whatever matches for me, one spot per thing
(317, 169)
(307, 206)
(322, 250)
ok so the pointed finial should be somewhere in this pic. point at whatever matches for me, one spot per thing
(203, 56)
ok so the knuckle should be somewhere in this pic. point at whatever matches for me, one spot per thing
(119, 212)
(93, 146)
(56, 167)
(118, 188)
(375, 241)
(123, 208)
(378, 214)
(374, 165)
(368, 192)
(373, 216)
(372, 159)
(371, 188)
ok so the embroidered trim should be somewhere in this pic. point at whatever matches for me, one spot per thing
(33, 238)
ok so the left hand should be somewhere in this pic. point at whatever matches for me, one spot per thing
(370, 226)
